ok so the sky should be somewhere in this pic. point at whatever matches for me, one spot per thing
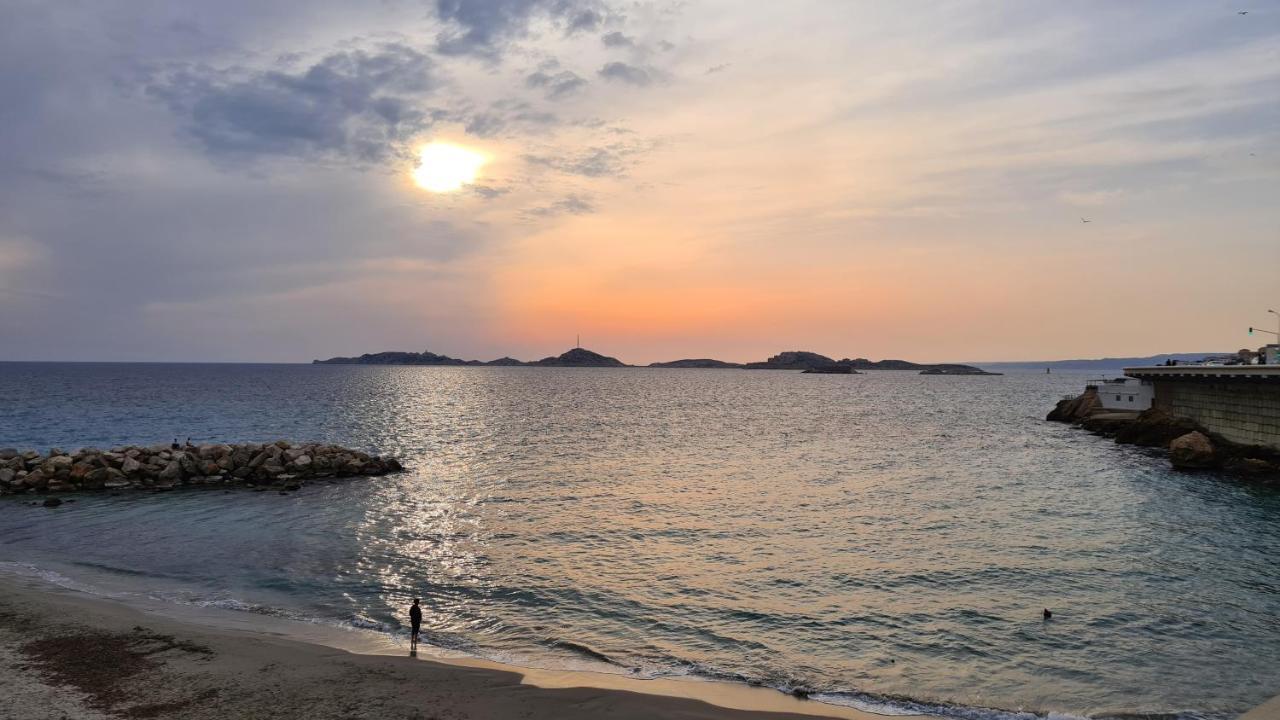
(234, 181)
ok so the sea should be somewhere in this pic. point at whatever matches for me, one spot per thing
(887, 540)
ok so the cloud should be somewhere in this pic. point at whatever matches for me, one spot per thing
(481, 27)
(488, 192)
(630, 74)
(572, 204)
(504, 115)
(355, 104)
(616, 39)
(604, 161)
(556, 86)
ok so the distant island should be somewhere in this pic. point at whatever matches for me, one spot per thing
(799, 360)
(577, 357)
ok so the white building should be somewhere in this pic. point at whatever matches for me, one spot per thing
(1124, 393)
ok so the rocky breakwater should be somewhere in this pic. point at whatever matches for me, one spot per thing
(163, 467)
(1190, 446)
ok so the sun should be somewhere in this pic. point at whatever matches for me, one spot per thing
(443, 167)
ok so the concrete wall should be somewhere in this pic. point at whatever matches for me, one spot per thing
(1240, 410)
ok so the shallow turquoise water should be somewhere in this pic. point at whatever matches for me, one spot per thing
(869, 537)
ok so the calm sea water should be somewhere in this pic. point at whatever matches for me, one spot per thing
(885, 539)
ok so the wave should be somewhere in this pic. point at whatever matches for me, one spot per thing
(53, 577)
(583, 650)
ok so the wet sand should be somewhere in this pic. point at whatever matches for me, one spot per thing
(65, 654)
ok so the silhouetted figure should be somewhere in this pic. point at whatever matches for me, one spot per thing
(415, 620)
(1047, 614)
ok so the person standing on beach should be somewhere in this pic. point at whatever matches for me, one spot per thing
(415, 619)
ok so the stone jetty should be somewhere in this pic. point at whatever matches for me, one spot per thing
(279, 464)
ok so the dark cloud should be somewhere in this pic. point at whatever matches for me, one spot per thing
(630, 74)
(487, 192)
(356, 104)
(595, 162)
(556, 86)
(481, 27)
(507, 114)
(572, 204)
(616, 39)
(612, 160)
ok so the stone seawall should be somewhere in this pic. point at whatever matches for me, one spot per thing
(1244, 414)
(1191, 444)
(162, 467)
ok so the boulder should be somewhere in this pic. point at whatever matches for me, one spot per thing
(35, 479)
(1192, 451)
(59, 462)
(1076, 408)
(1156, 428)
(171, 472)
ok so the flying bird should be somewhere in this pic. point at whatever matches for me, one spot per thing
(1085, 221)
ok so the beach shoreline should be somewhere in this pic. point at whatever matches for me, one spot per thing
(70, 654)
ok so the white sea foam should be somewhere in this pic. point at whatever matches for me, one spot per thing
(53, 577)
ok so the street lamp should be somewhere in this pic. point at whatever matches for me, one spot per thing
(1276, 332)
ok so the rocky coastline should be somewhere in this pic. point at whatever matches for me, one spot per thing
(1190, 445)
(281, 465)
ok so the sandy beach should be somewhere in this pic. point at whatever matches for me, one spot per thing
(70, 655)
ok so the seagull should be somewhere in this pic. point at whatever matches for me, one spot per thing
(1085, 221)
